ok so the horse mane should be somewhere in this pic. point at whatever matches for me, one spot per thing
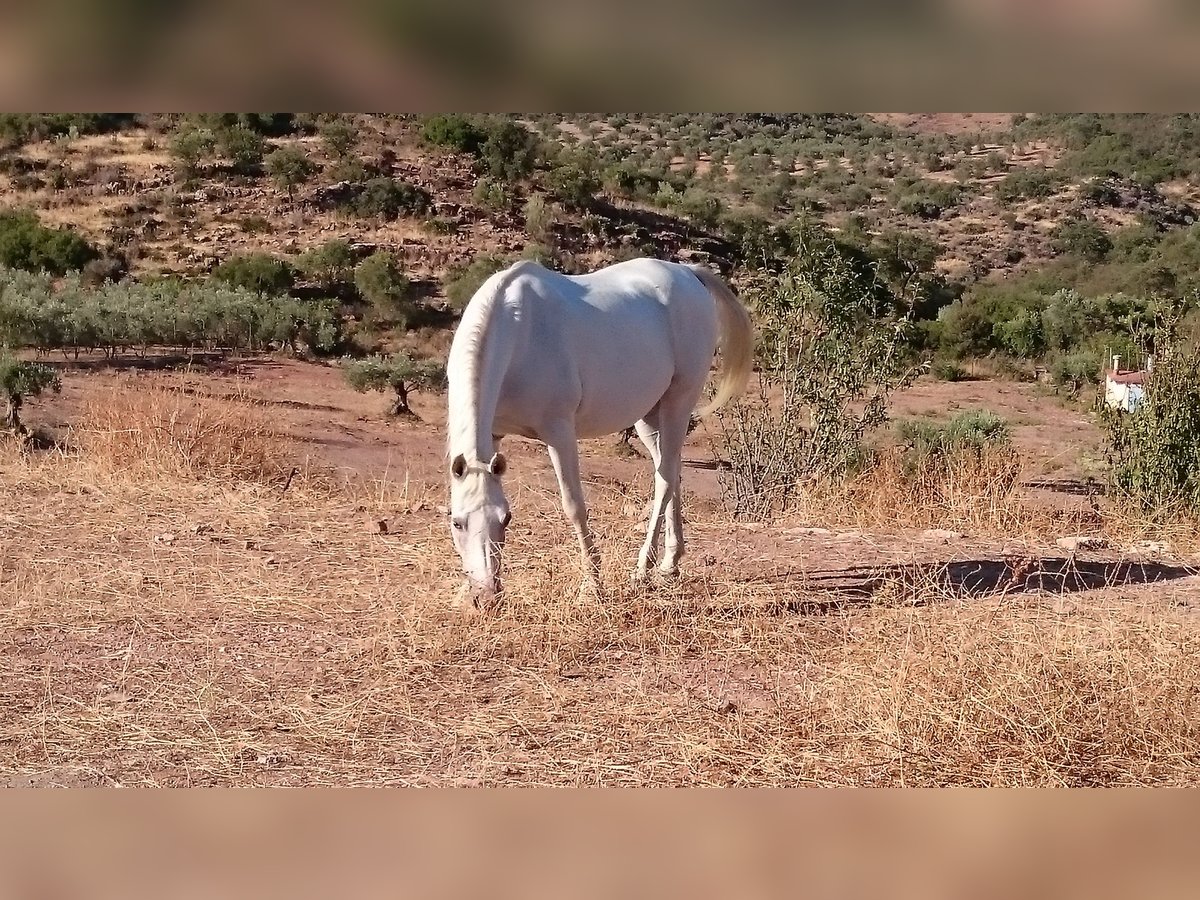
(467, 351)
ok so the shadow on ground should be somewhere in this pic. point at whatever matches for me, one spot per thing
(921, 583)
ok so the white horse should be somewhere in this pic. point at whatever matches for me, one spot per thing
(557, 358)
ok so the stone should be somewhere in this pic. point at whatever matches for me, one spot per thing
(1078, 542)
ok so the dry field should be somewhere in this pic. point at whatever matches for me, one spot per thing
(178, 606)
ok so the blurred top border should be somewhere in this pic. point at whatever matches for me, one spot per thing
(362, 55)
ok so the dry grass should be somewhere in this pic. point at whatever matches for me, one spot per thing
(161, 624)
(164, 429)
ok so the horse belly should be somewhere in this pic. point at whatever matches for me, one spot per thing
(624, 395)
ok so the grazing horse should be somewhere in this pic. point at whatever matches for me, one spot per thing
(557, 358)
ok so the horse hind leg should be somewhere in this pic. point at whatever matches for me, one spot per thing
(672, 422)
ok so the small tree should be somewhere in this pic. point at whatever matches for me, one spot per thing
(190, 147)
(832, 342)
(399, 373)
(388, 199)
(339, 138)
(243, 147)
(290, 168)
(382, 283)
(18, 380)
(1155, 450)
(258, 272)
(328, 265)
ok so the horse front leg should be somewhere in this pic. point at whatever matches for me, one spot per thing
(563, 447)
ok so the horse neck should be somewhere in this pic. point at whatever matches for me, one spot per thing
(475, 384)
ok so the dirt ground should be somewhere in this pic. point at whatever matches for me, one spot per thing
(166, 631)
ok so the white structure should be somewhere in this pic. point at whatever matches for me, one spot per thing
(1124, 390)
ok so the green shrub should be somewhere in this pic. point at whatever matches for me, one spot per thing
(492, 195)
(27, 244)
(243, 147)
(258, 272)
(1072, 372)
(1032, 183)
(948, 370)
(388, 199)
(328, 265)
(382, 283)
(20, 380)
(969, 431)
(455, 132)
(831, 350)
(400, 373)
(290, 168)
(1155, 451)
(1082, 238)
(339, 138)
(191, 146)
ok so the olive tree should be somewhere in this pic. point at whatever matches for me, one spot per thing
(399, 373)
(20, 379)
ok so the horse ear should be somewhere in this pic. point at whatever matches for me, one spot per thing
(498, 466)
(458, 467)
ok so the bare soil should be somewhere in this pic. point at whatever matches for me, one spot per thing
(166, 631)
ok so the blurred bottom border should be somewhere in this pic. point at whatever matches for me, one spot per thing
(845, 843)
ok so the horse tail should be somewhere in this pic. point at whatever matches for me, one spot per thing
(737, 341)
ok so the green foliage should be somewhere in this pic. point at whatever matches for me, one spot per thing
(510, 151)
(492, 195)
(19, 128)
(269, 124)
(1155, 451)
(27, 244)
(926, 198)
(339, 138)
(1082, 238)
(38, 312)
(575, 183)
(1072, 372)
(540, 219)
(191, 146)
(454, 132)
(1031, 183)
(968, 431)
(382, 283)
(948, 370)
(20, 380)
(832, 340)
(290, 167)
(462, 283)
(258, 272)
(388, 199)
(328, 265)
(243, 147)
(399, 373)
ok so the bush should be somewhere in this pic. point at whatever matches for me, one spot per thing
(258, 272)
(389, 199)
(509, 153)
(383, 285)
(190, 147)
(1034, 183)
(1155, 451)
(290, 168)
(574, 183)
(462, 283)
(1082, 238)
(539, 219)
(1072, 372)
(339, 138)
(328, 265)
(970, 431)
(19, 128)
(454, 132)
(831, 349)
(947, 370)
(20, 380)
(27, 244)
(243, 147)
(492, 195)
(401, 374)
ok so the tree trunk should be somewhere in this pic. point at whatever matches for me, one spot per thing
(12, 416)
(400, 407)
